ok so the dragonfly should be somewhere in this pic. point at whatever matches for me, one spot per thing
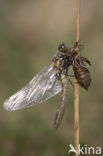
(52, 80)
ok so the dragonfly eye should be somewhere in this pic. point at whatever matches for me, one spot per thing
(63, 48)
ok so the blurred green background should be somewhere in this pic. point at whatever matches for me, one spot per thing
(30, 32)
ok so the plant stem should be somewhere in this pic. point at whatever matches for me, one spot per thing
(76, 91)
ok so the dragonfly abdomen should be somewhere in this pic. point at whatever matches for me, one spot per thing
(61, 109)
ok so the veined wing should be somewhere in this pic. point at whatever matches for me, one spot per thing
(42, 87)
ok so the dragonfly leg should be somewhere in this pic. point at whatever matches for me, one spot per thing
(71, 75)
(71, 83)
(86, 60)
(58, 76)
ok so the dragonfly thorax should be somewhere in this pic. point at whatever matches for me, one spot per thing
(61, 62)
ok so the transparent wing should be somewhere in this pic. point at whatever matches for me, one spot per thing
(42, 87)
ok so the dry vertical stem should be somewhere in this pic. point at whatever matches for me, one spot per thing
(76, 92)
(78, 18)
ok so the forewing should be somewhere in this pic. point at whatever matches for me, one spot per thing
(42, 87)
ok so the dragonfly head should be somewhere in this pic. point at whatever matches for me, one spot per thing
(63, 48)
